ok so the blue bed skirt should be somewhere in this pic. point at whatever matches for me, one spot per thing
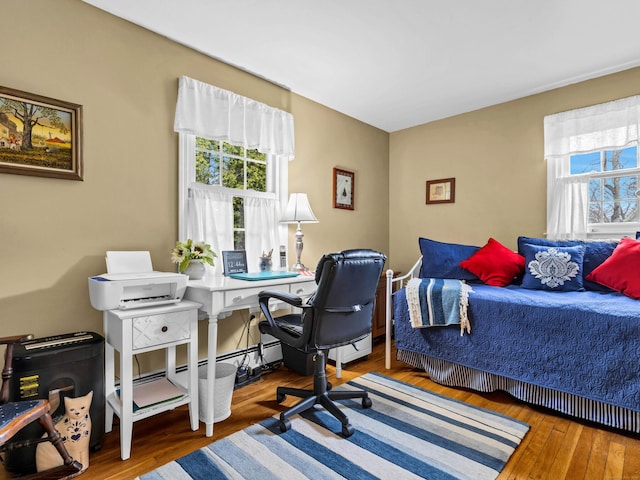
(574, 352)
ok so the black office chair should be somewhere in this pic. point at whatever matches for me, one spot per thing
(339, 313)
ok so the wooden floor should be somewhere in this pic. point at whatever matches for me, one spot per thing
(554, 448)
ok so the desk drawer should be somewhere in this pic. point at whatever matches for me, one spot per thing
(303, 289)
(248, 296)
(154, 330)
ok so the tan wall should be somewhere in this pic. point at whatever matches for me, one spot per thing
(496, 157)
(54, 233)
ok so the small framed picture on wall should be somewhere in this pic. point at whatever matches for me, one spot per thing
(343, 189)
(441, 191)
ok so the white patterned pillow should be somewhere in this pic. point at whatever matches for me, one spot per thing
(553, 268)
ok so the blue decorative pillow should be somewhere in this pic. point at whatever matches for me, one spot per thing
(553, 268)
(440, 260)
(595, 252)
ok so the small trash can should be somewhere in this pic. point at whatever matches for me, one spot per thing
(223, 391)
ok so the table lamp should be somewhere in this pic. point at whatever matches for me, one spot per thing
(298, 211)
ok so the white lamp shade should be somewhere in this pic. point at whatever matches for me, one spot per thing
(298, 210)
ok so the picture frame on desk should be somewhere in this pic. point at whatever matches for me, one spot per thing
(234, 261)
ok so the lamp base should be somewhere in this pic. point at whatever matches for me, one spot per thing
(299, 267)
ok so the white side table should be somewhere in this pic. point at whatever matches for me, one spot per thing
(135, 331)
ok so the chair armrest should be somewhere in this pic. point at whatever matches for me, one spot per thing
(289, 298)
(293, 300)
(15, 339)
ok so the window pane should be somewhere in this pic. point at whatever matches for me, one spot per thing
(207, 168)
(625, 211)
(233, 149)
(257, 176)
(256, 155)
(207, 144)
(233, 173)
(238, 212)
(238, 240)
(620, 188)
(619, 159)
(585, 163)
(238, 223)
(595, 190)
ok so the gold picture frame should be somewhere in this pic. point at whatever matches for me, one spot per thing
(40, 136)
(441, 191)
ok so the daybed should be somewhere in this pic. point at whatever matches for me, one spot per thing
(568, 340)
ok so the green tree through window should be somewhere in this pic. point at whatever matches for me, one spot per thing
(231, 166)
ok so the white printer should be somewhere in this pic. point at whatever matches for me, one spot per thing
(130, 282)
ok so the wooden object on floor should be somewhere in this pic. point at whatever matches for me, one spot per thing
(555, 447)
(379, 314)
(14, 416)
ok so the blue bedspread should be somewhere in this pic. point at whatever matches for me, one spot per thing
(584, 343)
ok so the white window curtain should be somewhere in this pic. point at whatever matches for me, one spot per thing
(210, 219)
(211, 112)
(611, 125)
(260, 217)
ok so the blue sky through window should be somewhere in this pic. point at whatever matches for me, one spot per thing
(590, 162)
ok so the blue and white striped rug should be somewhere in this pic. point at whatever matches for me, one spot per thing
(408, 433)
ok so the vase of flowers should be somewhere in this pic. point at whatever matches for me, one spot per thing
(191, 257)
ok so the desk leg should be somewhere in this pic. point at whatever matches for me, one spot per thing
(193, 374)
(126, 397)
(212, 349)
(338, 362)
(109, 379)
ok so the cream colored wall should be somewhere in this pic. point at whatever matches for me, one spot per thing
(54, 233)
(496, 157)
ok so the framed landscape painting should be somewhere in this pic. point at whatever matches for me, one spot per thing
(40, 136)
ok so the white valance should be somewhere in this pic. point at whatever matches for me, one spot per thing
(610, 125)
(218, 114)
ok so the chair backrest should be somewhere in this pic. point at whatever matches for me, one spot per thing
(343, 304)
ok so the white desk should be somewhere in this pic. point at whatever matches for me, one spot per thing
(220, 296)
(143, 330)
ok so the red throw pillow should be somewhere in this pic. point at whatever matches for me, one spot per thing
(494, 264)
(620, 271)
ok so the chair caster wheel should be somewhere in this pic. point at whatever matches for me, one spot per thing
(280, 397)
(286, 425)
(366, 402)
(347, 430)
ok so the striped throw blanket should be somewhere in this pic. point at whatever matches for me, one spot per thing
(438, 302)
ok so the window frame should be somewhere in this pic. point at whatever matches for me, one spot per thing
(277, 183)
(613, 229)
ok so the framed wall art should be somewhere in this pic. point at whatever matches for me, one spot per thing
(343, 189)
(441, 191)
(40, 136)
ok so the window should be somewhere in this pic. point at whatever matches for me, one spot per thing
(613, 185)
(220, 164)
(592, 170)
(232, 197)
(234, 154)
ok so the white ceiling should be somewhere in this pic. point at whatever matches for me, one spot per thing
(398, 63)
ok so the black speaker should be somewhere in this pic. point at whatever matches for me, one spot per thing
(72, 363)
